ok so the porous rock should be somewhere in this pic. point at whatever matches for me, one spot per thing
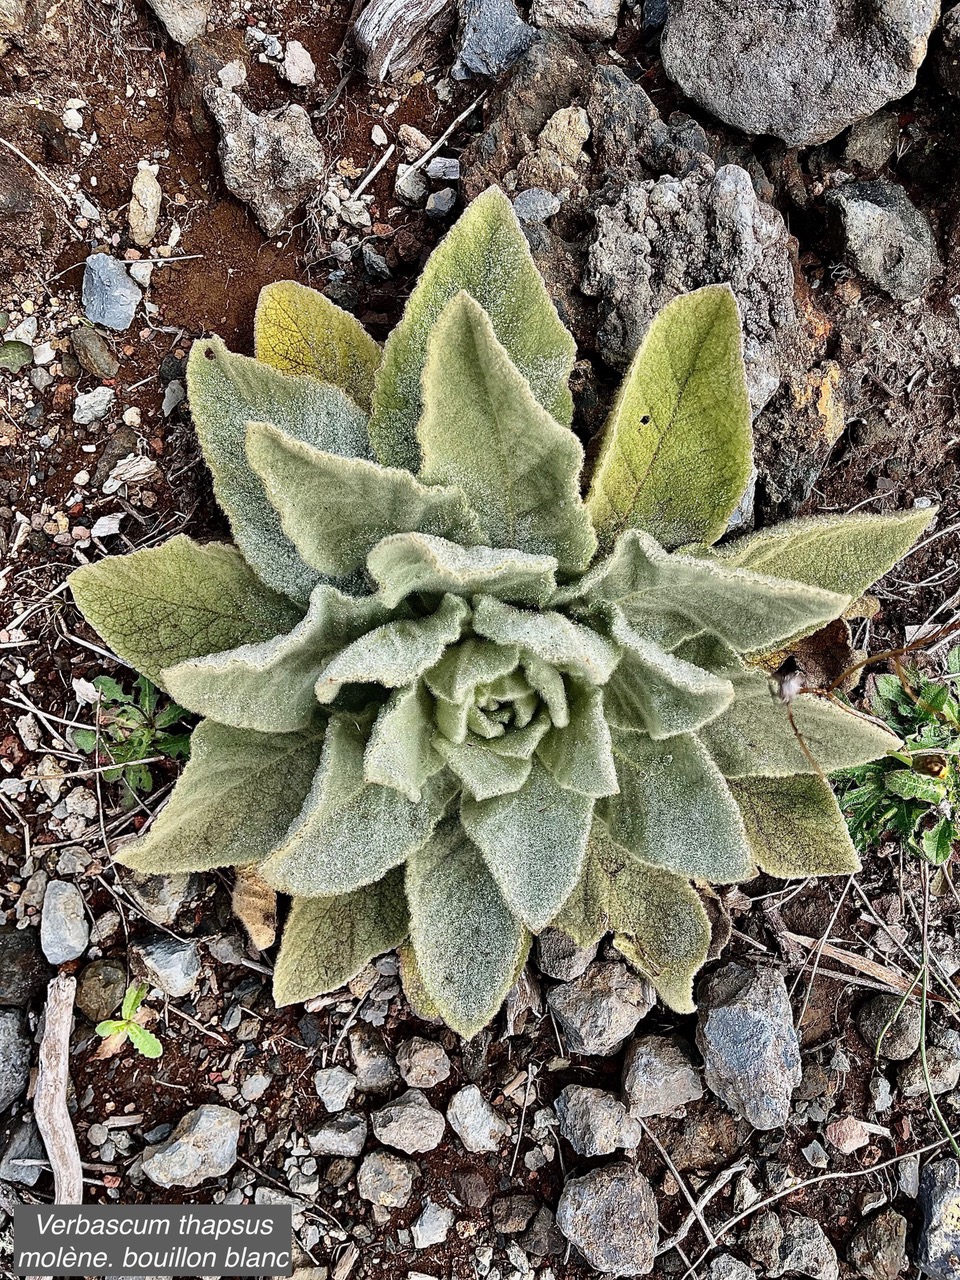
(14, 1057)
(595, 1122)
(601, 1008)
(901, 1038)
(791, 1245)
(409, 1123)
(101, 988)
(802, 72)
(665, 237)
(887, 239)
(158, 897)
(386, 1180)
(659, 1076)
(93, 406)
(610, 1215)
(750, 1048)
(272, 162)
(878, 1246)
(64, 931)
(422, 1063)
(940, 1074)
(558, 956)
(586, 19)
(474, 1121)
(202, 1146)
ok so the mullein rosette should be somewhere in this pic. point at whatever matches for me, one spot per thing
(447, 700)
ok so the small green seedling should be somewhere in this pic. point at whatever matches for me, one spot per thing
(134, 730)
(913, 793)
(127, 1026)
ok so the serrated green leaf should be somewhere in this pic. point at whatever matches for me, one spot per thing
(841, 553)
(657, 691)
(911, 785)
(748, 610)
(334, 509)
(938, 842)
(484, 771)
(395, 653)
(350, 832)
(795, 826)
(467, 943)
(675, 809)
(165, 604)
(483, 432)
(112, 1027)
(269, 686)
(578, 755)
(234, 800)
(754, 737)
(144, 1041)
(551, 636)
(533, 842)
(658, 919)
(327, 941)
(399, 752)
(418, 562)
(677, 448)
(298, 330)
(486, 254)
(133, 999)
(226, 392)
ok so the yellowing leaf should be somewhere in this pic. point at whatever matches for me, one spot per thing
(795, 826)
(486, 254)
(254, 904)
(298, 330)
(677, 447)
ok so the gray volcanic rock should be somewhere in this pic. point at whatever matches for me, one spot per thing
(888, 240)
(202, 1146)
(802, 71)
(611, 1216)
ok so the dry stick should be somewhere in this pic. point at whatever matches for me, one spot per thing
(50, 1103)
(373, 172)
(678, 1179)
(432, 151)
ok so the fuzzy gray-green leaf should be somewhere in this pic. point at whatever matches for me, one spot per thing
(467, 942)
(533, 841)
(180, 600)
(418, 562)
(675, 809)
(399, 752)
(754, 737)
(578, 754)
(350, 832)
(327, 941)
(483, 432)
(234, 800)
(551, 636)
(227, 392)
(335, 509)
(486, 254)
(795, 826)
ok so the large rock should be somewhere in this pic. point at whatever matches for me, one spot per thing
(14, 1057)
(888, 240)
(659, 1076)
(897, 1023)
(202, 1146)
(878, 1246)
(611, 1216)
(344, 1135)
(750, 1049)
(386, 1180)
(20, 1146)
(558, 956)
(409, 1123)
(172, 964)
(939, 1245)
(272, 162)
(474, 1121)
(397, 37)
(586, 19)
(666, 237)
(791, 1245)
(802, 71)
(594, 1122)
(946, 60)
(23, 970)
(64, 931)
(109, 296)
(601, 1008)
(101, 988)
(183, 20)
(491, 37)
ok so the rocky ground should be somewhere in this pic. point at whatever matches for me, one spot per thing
(160, 165)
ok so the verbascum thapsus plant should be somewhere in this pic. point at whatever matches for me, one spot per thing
(448, 699)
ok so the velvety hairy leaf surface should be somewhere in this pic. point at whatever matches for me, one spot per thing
(298, 330)
(396, 653)
(236, 797)
(411, 562)
(677, 447)
(553, 638)
(327, 941)
(399, 751)
(675, 809)
(467, 943)
(483, 771)
(486, 254)
(228, 391)
(579, 755)
(334, 510)
(795, 826)
(657, 691)
(533, 842)
(162, 605)
(411, 980)
(349, 832)
(658, 919)
(269, 686)
(754, 738)
(840, 553)
(748, 610)
(472, 662)
(483, 431)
